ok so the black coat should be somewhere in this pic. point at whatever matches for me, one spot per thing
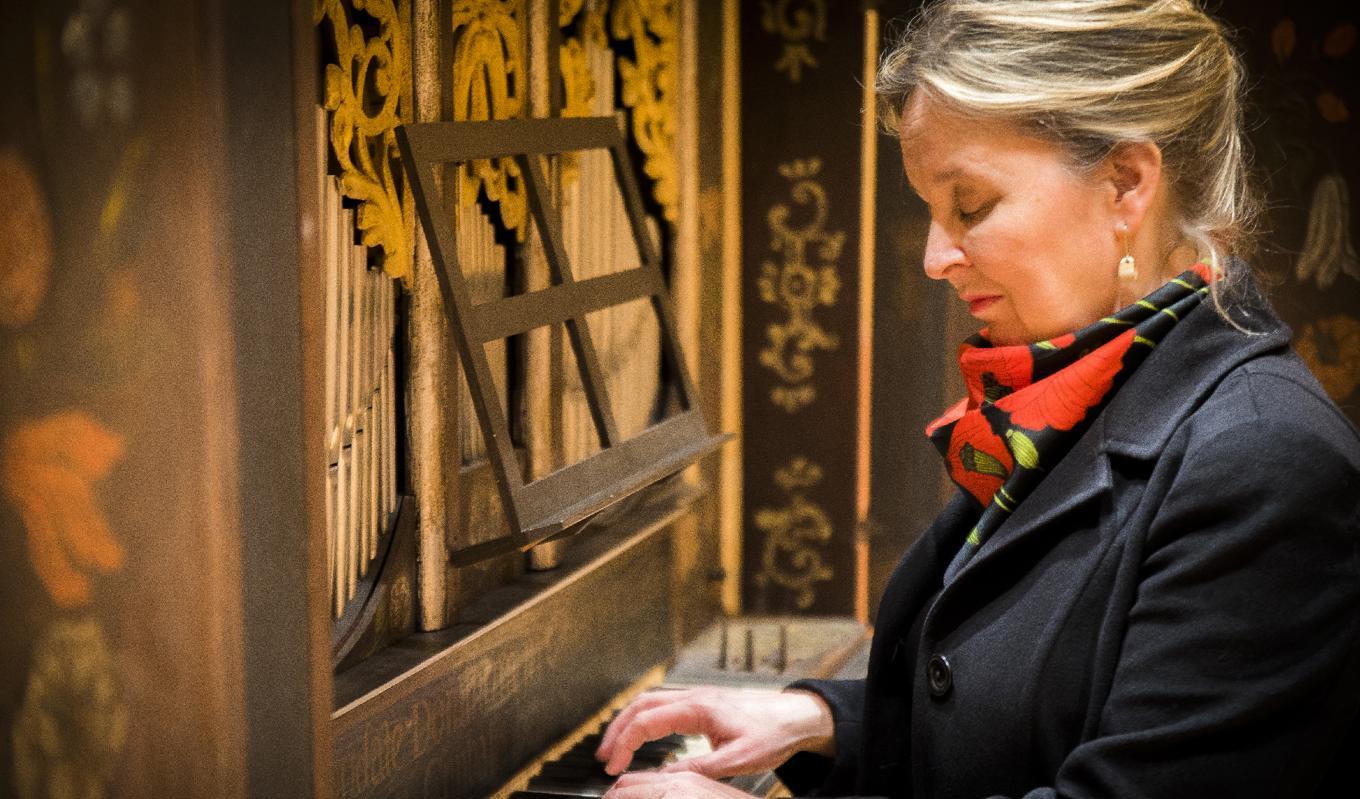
(1173, 612)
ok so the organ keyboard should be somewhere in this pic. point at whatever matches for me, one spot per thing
(773, 651)
(576, 773)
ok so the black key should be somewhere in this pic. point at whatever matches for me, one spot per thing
(561, 788)
(574, 771)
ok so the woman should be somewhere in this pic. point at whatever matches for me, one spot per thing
(1149, 584)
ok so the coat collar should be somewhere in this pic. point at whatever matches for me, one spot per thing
(1143, 414)
(1187, 365)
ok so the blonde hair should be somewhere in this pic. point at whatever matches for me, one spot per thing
(1090, 75)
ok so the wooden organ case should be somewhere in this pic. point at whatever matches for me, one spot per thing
(460, 658)
(228, 310)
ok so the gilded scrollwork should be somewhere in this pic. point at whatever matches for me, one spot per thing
(649, 85)
(803, 279)
(793, 535)
(1331, 348)
(578, 82)
(368, 93)
(796, 23)
(490, 82)
(72, 727)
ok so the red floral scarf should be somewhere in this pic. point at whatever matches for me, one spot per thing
(1028, 403)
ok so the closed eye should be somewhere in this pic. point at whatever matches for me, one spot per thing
(972, 217)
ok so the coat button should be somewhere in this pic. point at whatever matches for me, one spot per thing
(940, 676)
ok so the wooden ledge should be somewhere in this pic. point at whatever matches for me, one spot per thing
(457, 711)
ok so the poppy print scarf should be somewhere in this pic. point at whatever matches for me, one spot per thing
(1028, 403)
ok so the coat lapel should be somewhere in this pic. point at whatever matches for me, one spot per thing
(1081, 477)
(921, 571)
(1139, 420)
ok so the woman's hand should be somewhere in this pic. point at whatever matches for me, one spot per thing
(678, 785)
(750, 731)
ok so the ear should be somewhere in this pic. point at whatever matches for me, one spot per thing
(1134, 172)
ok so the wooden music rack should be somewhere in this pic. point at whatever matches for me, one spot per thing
(559, 503)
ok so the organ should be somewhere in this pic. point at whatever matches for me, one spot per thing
(320, 584)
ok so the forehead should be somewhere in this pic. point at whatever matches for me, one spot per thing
(940, 145)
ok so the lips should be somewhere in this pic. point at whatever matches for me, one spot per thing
(977, 303)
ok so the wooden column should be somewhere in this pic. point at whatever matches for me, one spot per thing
(807, 210)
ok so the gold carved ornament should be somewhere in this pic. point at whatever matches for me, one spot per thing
(368, 92)
(796, 22)
(1331, 348)
(573, 57)
(793, 535)
(799, 286)
(71, 729)
(578, 84)
(489, 82)
(649, 84)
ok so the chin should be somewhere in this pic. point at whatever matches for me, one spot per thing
(1005, 338)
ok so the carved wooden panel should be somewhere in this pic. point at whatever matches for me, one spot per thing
(802, 384)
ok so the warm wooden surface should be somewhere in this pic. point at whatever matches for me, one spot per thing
(454, 713)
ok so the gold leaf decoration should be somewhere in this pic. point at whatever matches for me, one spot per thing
(648, 82)
(578, 84)
(804, 279)
(1331, 348)
(368, 92)
(793, 535)
(796, 22)
(1328, 249)
(73, 723)
(489, 82)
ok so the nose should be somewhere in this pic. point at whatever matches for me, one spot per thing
(942, 252)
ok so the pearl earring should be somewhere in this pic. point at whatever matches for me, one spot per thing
(1128, 272)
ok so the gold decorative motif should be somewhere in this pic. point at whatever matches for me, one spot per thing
(1331, 348)
(368, 92)
(73, 723)
(648, 83)
(797, 23)
(793, 534)
(798, 286)
(47, 467)
(578, 83)
(489, 82)
(99, 48)
(26, 227)
(1328, 249)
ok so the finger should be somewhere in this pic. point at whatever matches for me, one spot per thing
(637, 785)
(725, 761)
(646, 701)
(641, 778)
(648, 725)
(637, 792)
